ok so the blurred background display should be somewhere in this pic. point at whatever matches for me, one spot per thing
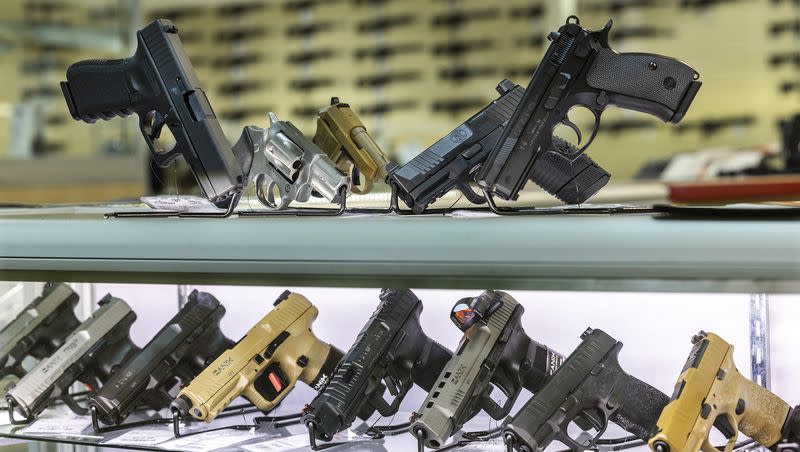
(412, 70)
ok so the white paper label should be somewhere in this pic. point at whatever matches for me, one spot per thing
(301, 441)
(495, 445)
(180, 203)
(281, 444)
(73, 425)
(205, 442)
(144, 436)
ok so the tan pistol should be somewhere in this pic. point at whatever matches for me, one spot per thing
(265, 364)
(345, 140)
(711, 392)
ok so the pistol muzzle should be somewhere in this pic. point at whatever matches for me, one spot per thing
(106, 410)
(181, 406)
(15, 406)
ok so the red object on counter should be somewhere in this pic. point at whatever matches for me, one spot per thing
(733, 190)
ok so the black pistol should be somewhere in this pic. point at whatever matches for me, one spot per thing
(176, 354)
(391, 351)
(159, 84)
(581, 70)
(589, 389)
(453, 161)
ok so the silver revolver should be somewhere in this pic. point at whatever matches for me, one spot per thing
(89, 355)
(288, 167)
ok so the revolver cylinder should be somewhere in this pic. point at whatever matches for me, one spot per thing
(293, 169)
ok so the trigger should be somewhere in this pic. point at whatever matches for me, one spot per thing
(567, 122)
(392, 385)
(156, 126)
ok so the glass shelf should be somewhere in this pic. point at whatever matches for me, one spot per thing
(633, 252)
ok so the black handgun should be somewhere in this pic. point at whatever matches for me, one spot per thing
(159, 84)
(89, 355)
(790, 138)
(39, 330)
(791, 433)
(589, 389)
(176, 354)
(453, 161)
(580, 69)
(391, 350)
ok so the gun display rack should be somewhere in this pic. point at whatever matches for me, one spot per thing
(393, 208)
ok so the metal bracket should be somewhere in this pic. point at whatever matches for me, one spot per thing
(759, 339)
(229, 209)
(11, 408)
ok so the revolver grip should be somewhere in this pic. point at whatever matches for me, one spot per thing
(661, 86)
(102, 89)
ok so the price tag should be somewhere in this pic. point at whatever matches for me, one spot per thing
(62, 425)
(489, 446)
(180, 203)
(280, 444)
(301, 441)
(205, 442)
(144, 436)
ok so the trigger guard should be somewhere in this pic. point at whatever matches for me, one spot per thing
(471, 195)
(601, 427)
(151, 133)
(596, 129)
(264, 185)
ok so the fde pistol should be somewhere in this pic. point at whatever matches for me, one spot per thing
(710, 391)
(391, 351)
(494, 351)
(264, 365)
(591, 390)
(159, 84)
(580, 70)
(345, 140)
(89, 355)
(176, 354)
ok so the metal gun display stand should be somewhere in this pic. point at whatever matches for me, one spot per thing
(68, 400)
(176, 419)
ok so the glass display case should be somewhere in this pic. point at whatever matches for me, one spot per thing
(651, 282)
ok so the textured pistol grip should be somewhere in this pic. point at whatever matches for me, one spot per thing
(567, 174)
(764, 414)
(640, 407)
(654, 84)
(99, 89)
(438, 356)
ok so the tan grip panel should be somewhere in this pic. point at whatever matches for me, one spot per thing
(764, 414)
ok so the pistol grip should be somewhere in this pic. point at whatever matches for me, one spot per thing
(661, 86)
(102, 89)
(640, 407)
